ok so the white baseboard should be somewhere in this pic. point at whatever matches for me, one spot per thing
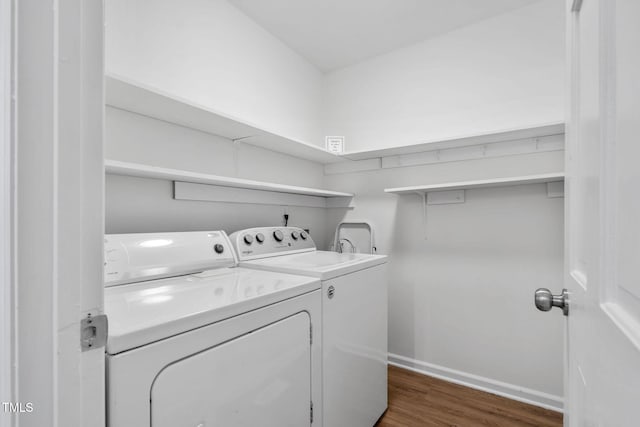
(521, 394)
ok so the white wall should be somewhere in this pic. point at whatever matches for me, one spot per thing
(209, 52)
(147, 205)
(461, 298)
(502, 73)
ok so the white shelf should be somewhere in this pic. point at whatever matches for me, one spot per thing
(497, 182)
(115, 167)
(471, 140)
(138, 98)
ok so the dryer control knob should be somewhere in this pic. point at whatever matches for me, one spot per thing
(248, 239)
(260, 237)
(278, 235)
(295, 235)
(303, 235)
(218, 248)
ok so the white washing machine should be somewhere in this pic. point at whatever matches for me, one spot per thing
(354, 317)
(195, 341)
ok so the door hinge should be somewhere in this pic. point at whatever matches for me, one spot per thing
(311, 334)
(311, 412)
(93, 331)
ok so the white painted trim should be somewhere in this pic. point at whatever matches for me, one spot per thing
(495, 182)
(461, 141)
(340, 202)
(511, 391)
(625, 321)
(431, 155)
(479, 151)
(445, 197)
(222, 194)
(352, 166)
(58, 215)
(116, 167)
(216, 193)
(555, 189)
(7, 326)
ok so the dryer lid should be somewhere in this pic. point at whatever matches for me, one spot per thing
(142, 313)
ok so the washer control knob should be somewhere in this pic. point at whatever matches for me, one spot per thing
(248, 239)
(278, 235)
(218, 248)
(303, 235)
(260, 237)
(295, 235)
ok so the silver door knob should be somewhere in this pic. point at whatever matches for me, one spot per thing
(545, 300)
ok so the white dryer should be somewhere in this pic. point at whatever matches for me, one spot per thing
(195, 341)
(354, 317)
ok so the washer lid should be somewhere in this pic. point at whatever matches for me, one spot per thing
(145, 312)
(322, 264)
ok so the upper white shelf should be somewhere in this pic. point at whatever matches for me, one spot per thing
(478, 139)
(497, 182)
(152, 102)
(116, 167)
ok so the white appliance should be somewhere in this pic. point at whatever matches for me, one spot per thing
(354, 317)
(355, 237)
(195, 341)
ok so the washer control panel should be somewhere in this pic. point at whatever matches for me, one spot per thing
(136, 257)
(263, 242)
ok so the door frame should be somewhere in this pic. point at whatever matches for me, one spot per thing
(56, 191)
(7, 327)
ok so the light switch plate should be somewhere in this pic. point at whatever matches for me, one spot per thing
(334, 144)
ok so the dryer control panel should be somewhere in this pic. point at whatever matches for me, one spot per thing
(136, 257)
(263, 242)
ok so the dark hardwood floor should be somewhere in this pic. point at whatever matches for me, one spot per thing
(418, 400)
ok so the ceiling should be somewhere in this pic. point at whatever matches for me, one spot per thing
(332, 34)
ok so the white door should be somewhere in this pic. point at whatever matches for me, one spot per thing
(602, 381)
(262, 378)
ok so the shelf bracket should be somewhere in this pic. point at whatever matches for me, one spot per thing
(242, 138)
(424, 213)
(555, 189)
(438, 198)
